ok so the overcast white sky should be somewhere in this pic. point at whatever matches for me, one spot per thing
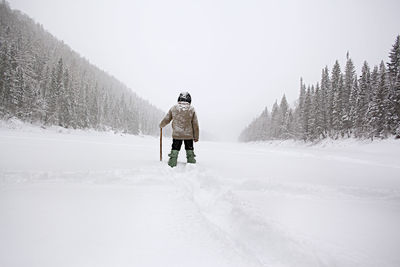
(234, 57)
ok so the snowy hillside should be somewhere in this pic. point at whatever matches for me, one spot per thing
(77, 198)
(43, 80)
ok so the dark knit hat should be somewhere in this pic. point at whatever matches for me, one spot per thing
(185, 97)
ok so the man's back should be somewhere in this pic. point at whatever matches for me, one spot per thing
(182, 116)
(184, 121)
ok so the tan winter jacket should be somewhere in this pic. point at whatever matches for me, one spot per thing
(184, 121)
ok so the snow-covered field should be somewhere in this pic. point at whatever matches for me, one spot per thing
(75, 198)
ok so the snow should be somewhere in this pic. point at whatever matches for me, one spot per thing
(86, 198)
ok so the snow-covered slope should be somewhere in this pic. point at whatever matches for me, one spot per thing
(75, 198)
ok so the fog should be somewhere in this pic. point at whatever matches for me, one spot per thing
(234, 57)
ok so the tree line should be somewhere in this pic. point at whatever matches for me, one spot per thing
(341, 105)
(42, 80)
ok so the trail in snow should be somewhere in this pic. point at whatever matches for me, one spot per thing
(79, 198)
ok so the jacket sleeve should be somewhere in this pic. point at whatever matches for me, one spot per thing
(195, 124)
(167, 119)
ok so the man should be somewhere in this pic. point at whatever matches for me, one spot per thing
(185, 128)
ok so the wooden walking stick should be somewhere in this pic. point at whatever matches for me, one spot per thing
(160, 144)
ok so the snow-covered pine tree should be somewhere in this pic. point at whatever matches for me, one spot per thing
(55, 91)
(83, 104)
(65, 108)
(4, 80)
(17, 93)
(257, 130)
(307, 118)
(283, 132)
(290, 125)
(335, 100)
(275, 121)
(317, 111)
(93, 107)
(264, 125)
(394, 78)
(299, 111)
(312, 116)
(354, 96)
(374, 112)
(362, 101)
(70, 87)
(44, 85)
(106, 111)
(325, 91)
(133, 123)
(339, 109)
(383, 96)
(349, 77)
(8, 79)
(334, 81)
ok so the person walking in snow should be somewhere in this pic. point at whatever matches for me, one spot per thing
(185, 128)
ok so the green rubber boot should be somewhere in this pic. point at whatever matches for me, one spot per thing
(190, 156)
(173, 158)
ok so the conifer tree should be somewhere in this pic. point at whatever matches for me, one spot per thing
(300, 111)
(9, 79)
(362, 101)
(53, 99)
(349, 78)
(377, 112)
(354, 96)
(312, 116)
(335, 104)
(275, 121)
(264, 125)
(317, 112)
(374, 115)
(394, 77)
(307, 119)
(17, 93)
(290, 127)
(93, 105)
(65, 105)
(325, 91)
(283, 125)
(383, 97)
(5, 78)
(338, 109)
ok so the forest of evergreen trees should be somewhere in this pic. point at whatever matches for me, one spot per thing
(43, 81)
(340, 106)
